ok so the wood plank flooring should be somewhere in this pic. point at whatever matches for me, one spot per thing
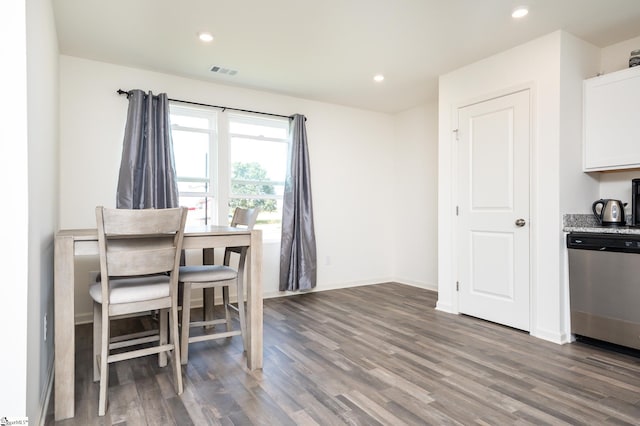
(372, 355)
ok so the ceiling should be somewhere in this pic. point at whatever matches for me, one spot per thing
(327, 50)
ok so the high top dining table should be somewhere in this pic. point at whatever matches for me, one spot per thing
(70, 243)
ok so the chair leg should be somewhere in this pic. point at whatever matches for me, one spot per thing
(225, 291)
(241, 311)
(175, 341)
(162, 330)
(208, 303)
(240, 298)
(208, 294)
(186, 318)
(97, 339)
(225, 303)
(104, 365)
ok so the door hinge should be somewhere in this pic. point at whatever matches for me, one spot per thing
(457, 286)
(457, 211)
(456, 132)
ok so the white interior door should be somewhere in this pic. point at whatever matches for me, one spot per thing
(493, 209)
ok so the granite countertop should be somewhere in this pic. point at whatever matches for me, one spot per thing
(588, 223)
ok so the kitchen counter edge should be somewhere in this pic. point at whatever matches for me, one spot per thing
(588, 223)
(603, 229)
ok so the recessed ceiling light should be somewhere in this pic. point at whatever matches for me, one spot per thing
(206, 37)
(378, 78)
(520, 12)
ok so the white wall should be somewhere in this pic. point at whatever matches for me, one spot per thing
(617, 185)
(537, 65)
(351, 151)
(14, 169)
(42, 99)
(415, 214)
(28, 154)
(580, 60)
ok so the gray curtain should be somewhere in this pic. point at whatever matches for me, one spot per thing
(298, 261)
(147, 170)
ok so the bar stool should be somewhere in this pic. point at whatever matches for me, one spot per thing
(209, 277)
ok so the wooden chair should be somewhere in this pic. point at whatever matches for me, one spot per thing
(139, 260)
(209, 277)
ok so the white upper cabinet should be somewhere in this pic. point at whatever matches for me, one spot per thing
(612, 121)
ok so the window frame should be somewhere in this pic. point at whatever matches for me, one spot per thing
(220, 167)
(251, 119)
(213, 178)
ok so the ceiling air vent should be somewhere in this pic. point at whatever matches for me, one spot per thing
(221, 70)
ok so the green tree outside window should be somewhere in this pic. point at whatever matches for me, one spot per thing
(251, 179)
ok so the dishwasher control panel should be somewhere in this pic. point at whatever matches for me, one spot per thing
(604, 242)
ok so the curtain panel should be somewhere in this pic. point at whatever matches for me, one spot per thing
(147, 176)
(298, 260)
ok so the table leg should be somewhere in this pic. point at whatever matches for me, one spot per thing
(254, 302)
(64, 331)
(208, 294)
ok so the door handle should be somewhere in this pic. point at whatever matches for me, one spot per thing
(520, 222)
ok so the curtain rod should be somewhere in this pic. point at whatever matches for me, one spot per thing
(223, 108)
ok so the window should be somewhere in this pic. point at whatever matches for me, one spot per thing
(258, 163)
(194, 148)
(226, 160)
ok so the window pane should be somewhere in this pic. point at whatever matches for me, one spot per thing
(258, 170)
(267, 160)
(194, 131)
(191, 152)
(258, 152)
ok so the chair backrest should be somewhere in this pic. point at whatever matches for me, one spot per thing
(242, 218)
(245, 218)
(139, 242)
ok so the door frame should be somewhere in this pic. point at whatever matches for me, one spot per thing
(533, 195)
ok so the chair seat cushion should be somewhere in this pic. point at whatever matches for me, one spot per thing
(127, 290)
(206, 273)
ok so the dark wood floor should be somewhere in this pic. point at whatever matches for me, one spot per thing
(373, 355)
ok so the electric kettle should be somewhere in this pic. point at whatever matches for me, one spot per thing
(609, 212)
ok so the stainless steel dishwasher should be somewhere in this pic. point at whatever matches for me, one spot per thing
(604, 286)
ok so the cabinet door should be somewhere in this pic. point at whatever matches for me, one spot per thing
(612, 121)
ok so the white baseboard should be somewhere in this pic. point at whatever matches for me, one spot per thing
(445, 308)
(418, 284)
(552, 336)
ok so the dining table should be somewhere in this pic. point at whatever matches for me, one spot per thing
(72, 243)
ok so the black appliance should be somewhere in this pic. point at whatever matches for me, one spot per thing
(635, 202)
